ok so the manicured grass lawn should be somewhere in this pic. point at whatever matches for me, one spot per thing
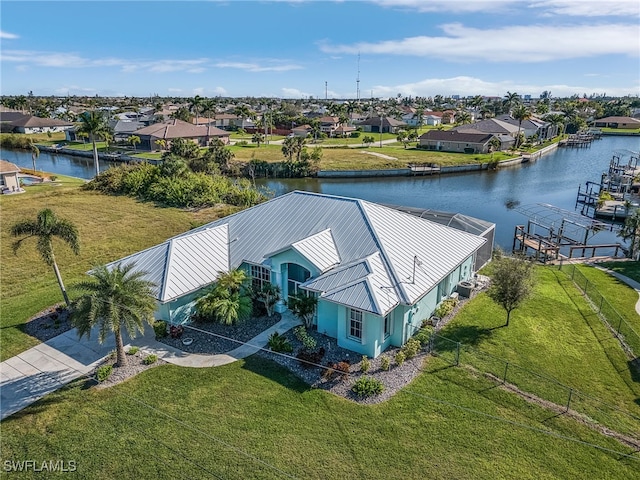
(252, 419)
(628, 269)
(554, 332)
(110, 227)
(621, 131)
(622, 297)
(150, 155)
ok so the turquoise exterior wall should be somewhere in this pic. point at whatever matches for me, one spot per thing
(172, 312)
(328, 318)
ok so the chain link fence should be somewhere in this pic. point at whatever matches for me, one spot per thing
(628, 337)
(540, 388)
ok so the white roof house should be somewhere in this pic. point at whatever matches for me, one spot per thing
(359, 255)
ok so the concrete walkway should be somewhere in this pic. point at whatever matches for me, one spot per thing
(45, 368)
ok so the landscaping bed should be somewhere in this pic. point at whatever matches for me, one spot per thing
(135, 365)
(48, 323)
(211, 344)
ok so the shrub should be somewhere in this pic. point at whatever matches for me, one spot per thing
(53, 178)
(340, 368)
(279, 343)
(242, 143)
(104, 372)
(385, 363)
(424, 335)
(400, 358)
(160, 328)
(149, 359)
(445, 308)
(308, 342)
(411, 348)
(133, 350)
(365, 365)
(367, 387)
(309, 358)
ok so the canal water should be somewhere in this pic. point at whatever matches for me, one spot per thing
(489, 195)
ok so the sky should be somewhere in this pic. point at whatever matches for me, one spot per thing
(303, 48)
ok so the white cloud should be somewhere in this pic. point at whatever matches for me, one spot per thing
(8, 36)
(174, 90)
(589, 8)
(583, 8)
(465, 86)
(198, 91)
(72, 60)
(294, 93)
(526, 44)
(219, 91)
(254, 67)
(459, 6)
(76, 90)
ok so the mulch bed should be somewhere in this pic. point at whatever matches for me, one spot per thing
(135, 365)
(48, 323)
(211, 344)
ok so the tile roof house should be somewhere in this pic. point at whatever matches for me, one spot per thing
(377, 272)
(168, 131)
(466, 141)
(617, 122)
(22, 123)
(9, 182)
(386, 124)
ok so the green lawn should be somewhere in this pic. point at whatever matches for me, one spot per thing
(622, 297)
(252, 419)
(557, 333)
(621, 131)
(110, 227)
(628, 269)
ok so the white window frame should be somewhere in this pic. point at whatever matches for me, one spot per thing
(355, 323)
(259, 276)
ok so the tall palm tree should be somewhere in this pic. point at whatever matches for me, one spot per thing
(35, 153)
(133, 140)
(631, 233)
(115, 299)
(45, 227)
(93, 124)
(510, 100)
(520, 113)
(195, 104)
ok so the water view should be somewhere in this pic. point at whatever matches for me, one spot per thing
(490, 195)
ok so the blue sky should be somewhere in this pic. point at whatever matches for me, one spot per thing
(291, 48)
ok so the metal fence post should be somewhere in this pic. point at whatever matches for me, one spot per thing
(569, 400)
(619, 323)
(573, 272)
(504, 375)
(457, 353)
(601, 301)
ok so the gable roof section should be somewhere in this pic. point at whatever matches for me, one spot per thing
(8, 167)
(183, 264)
(180, 129)
(319, 249)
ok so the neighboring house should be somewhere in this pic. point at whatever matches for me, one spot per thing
(329, 125)
(432, 120)
(9, 182)
(386, 124)
(489, 125)
(617, 122)
(122, 129)
(28, 124)
(228, 121)
(377, 272)
(455, 141)
(531, 127)
(302, 131)
(168, 131)
(344, 131)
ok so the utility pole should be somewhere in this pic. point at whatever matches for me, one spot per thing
(326, 91)
(358, 81)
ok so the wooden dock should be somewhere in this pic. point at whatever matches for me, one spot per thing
(578, 140)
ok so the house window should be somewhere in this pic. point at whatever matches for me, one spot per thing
(387, 325)
(259, 276)
(355, 324)
(296, 275)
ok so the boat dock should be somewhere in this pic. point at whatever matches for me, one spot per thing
(424, 168)
(579, 140)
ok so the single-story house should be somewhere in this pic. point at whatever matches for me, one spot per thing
(123, 129)
(455, 141)
(384, 124)
(617, 122)
(377, 272)
(28, 124)
(9, 182)
(302, 131)
(432, 120)
(344, 131)
(168, 131)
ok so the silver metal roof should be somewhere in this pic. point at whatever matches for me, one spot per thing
(373, 257)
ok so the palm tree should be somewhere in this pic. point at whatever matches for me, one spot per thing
(35, 153)
(510, 99)
(47, 226)
(463, 117)
(195, 104)
(228, 301)
(133, 140)
(93, 124)
(258, 138)
(520, 113)
(243, 112)
(115, 299)
(631, 233)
